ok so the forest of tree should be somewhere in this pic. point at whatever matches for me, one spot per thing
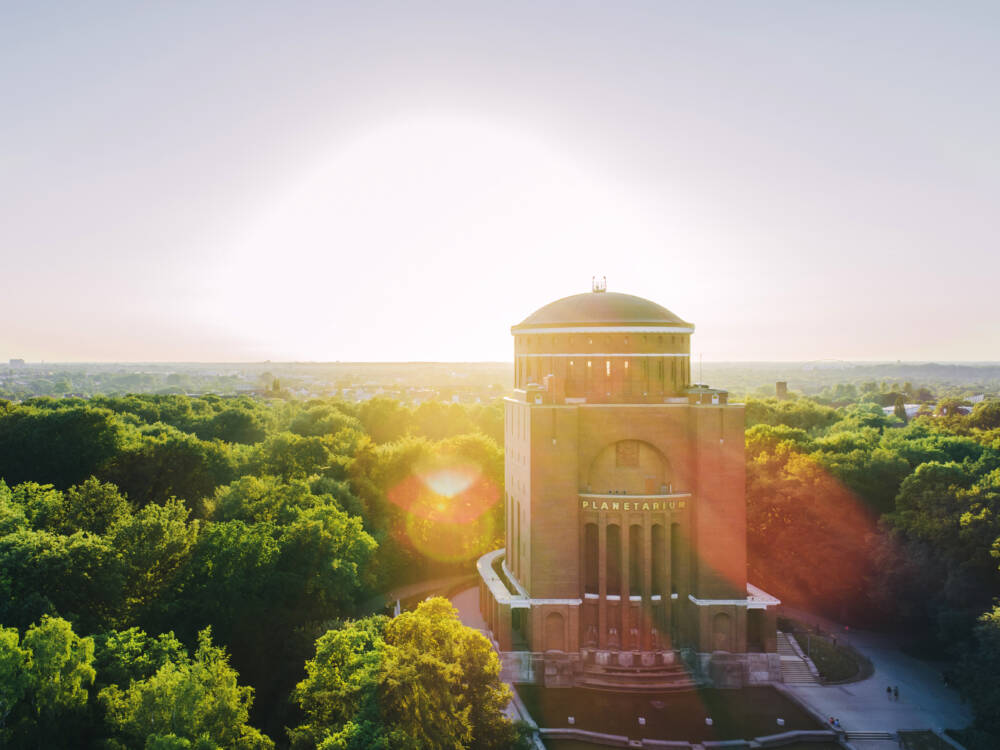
(169, 565)
(880, 523)
(193, 572)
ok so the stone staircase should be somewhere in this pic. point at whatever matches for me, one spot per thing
(794, 669)
(856, 736)
(653, 678)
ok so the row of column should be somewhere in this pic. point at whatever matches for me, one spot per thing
(640, 560)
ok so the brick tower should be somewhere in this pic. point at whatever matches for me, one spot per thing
(625, 507)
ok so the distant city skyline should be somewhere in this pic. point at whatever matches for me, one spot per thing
(231, 182)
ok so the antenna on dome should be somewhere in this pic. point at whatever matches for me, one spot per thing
(598, 286)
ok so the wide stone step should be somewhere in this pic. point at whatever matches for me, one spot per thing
(785, 647)
(673, 669)
(623, 684)
(798, 679)
(870, 736)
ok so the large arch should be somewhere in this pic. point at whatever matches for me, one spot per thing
(631, 467)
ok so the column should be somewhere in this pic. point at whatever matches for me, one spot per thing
(602, 582)
(647, 582)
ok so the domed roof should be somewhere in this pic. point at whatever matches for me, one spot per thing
(601, 309)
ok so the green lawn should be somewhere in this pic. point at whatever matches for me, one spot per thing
(736, 714)
(835, 663)
(576, 745)
(923, 741)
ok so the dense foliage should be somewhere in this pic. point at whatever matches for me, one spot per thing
(415, 681)
(874, 521)
(136, 530)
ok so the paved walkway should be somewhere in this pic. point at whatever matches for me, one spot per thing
(379, 601)
(924, 701)
(467, 604)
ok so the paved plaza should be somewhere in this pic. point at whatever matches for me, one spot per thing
(924, 701)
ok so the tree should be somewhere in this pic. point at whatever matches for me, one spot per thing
(60, 446)
(385, 419)
(229, 583)
(323, 562)
(123, 656)
(170, 463)
(266, 498)
(44, 687)
(977, 681)
(322, 420)
(42, 573)
(899, 408)
(291, 456)
(800, 413)
(92, 506)
(14, 681)
(237, 425)
(153, 544)
(420, 680)
(198, 700)
(986, 415)
(801, 521)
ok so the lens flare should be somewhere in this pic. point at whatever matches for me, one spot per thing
(451, 481)
(446, 507)
(808, 533)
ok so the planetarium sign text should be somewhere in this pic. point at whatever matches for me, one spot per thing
(633, 505)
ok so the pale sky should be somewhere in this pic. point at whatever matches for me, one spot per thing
(238, 181)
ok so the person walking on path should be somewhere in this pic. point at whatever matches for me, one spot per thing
(888, 692)
(895, 693)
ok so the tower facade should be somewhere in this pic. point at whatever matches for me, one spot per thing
(625, 501)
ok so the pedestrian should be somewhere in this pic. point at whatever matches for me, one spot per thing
(888, 692)
(895, 693)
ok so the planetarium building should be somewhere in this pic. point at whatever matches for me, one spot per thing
(625, 561)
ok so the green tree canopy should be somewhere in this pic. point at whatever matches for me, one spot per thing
(198, 700)
(44, 685)
(61, 446)
(420, 680)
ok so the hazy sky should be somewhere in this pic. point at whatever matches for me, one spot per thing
(405, 181)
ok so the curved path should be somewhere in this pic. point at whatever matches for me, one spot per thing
(924, 701)
(427, 588)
